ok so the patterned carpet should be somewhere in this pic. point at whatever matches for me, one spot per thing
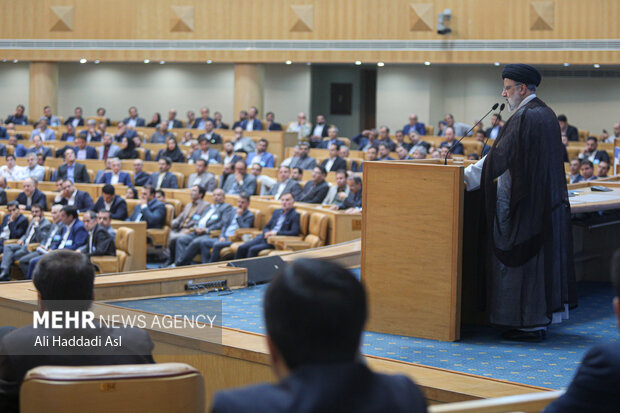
(550, 364)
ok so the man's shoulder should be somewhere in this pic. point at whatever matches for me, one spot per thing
(257, 398)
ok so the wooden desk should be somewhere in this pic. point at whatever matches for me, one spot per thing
(587, 200)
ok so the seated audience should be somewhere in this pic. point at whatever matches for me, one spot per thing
(3, 132)
(344, 153)
(91, 133)
(161, 134)
(11, 172)
(593, 388)
(134, 120)
(77, 119)
(567, 130)
(14, 224)
(149, 210)
(251, 123)
(187, 220)
(419, 153)
(337, 193)
(114, 204)
(217, 121)
(402, 153)
(591, 153)
(496, 126)
(353, 202)
(616, 134)
(451, 141)
(105, 220)
(371, 155)
(285, 184)
(210, 134)
(400, 140)
(587, 171)
(241, 217)
(69, 135)
(75, 172)
(319, 131)
(261, 156)
(33, 169)
(36, 232)
(314, 191)
(131, 193)
(384, 138)
(155, 120)
(43, 131)
(213, 218)
(38, 147)
(172, 152)
(3, 186)
(481, 137)
(99, 242)
(227, 170)
(164, 178)
(62, 279)
(140, 178)
(82, 150)
(127, 149)
(284, 221)
(230, 157)
(574, 175)
(297, 174)
(242, 143)
(243, 114)
(31, 195)
(603, 169)
(366, 139)
(18, 117)
(41, 159)
(270, 123)
(317, 358)
(473, 156)
(160, 195)
(301, 126)
(202, 177)
(414, 125)
(19, 150)
(202, 122)
(73, 197)
(191, 118)
(107, 165)
(115, 176)
(458, 128)
(304, 161)
(173, 122)
(266, 182)
(384, 152)
(294, 153)
(334, 162)
(124, 131)
(240, 181)
(205, 152)
(137, 141)
(108, 149)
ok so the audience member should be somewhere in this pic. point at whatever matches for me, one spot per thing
(101, 114)
(284, 221)
(206, 153)
(3, 185)
(124, 131)
(114, 204)
(240, 181)
(36, 232)
(294, 153)
(481, 137)
(19, 150)
(338, 192)
(266, 182)
(63, 279)
(301, 126)
(418, 153)
(458, 128)
(334, 162)
(164, 178)
(402, 153)
(105, 220)
(210, 134)
(574, 175)
(31, 195)
(14, 224)
(353, 202)
(587, 170)
(41, 159)
(149, 210)
(82, 150)
(384, 138)
(51, 119)
(10, 171)
(261, 156)
(191, 118)
(217, 121)
(271, 124)
(155, 120)
(172, 152)
(69, 135)
(591, 152)
(366, 139)
(33, 169)
(161, 134)
(137, 141)
(616, 134)
(134, 121)
(99, 242)
(400, 140)
(201, 123)
(317, 358)
(38, 147)
(76, 172)
(91, 133)
(450, 141)
(332, 134)
(496, 126)
(140, 178)
(243, 115)
(304, 161)
(314, 191)
(285, 184)
(127, 149)
(414, 125)
(297, 174)
(202, 177)
(567, 130)
(43, 131)
(371, 155)
(213, 218)
(603, 169)
(73, 197)
(227, 170)
(384, 152)
(173, 122)
(242, 143)
(251, 123)
(116, 176)
(160, 195)
(108, 149)
(131, 193)
(18, 117)
(230, 157)
(319, 132)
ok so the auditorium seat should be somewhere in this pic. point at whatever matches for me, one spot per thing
(533, 402)
(158, 237)
(316, 237)
(124, 253)
(140, 388)
(177, 204)
(583, 135)
(260, 220)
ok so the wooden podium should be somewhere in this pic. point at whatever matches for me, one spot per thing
(412, 231)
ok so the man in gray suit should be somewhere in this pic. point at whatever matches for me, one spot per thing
(37, 230)
(202, 177)
(162, 133)
(242, 143)
(240, 181)
(286, 184)
(164, 178)
(108, 149)
(214, 217)
(303, 161)
(186, 221)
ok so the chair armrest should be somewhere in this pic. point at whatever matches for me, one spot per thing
(106, 264)
(282, 238)
(10, 241)
(243, 231)
(293, 245)
(33, 246)
(215, 233)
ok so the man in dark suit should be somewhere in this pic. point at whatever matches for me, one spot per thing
(240, 181)
(595, 386)
(571, 132)
(451, 141)
(19, 150)
(31, 196)
(140, 178)
(251, 123)
(69, 135)
(82, 150)
(317, 358)
(414, 125)
(334, 162)
(64, 281)
(109, 201)
(271, 124)
(332, 134)
(217, 121)
(72, 236)
(76, 172)
(496, 126)
(14, 224)
(201, 123)
(18, 117)
(314, 191)
(240, 217)
(116, 176)
(285, 184)
(172, 121)
(99, 241)
(38, 147)
(149, 210)
(80, 200)
(164, 178)
(133, 120)
(36, 232)
(77, 119)
(591, 152)
(284, 221)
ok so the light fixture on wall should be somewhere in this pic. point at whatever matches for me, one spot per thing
(496, 64)
(442, 18)
(83, 60)
(209, 61)
(566, 64)
(162, 62)
(597, 66)
(380, 64)
(427, 63)
(358, 62)
(15, 61)
(97, 62)
(309, 64)
(288, 62)
(146, 61)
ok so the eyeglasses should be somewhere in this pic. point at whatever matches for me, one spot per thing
(507, 88)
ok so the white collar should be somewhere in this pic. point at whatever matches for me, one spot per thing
(526, 100)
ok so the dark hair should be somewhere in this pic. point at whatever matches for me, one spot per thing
(322, 169)
(315, 312)
(201, 190)
(473, 156)
(160, 192)
(264, 140)
(103, 109)
(134, 191)
(372, 147)
(336, 144)
(270, 113)
(301, 171)
(356, 179)
(9, 156)
(64, 275)
(167, 159)
(587, 162)
(70, 210)
(149, 188)
(592, 138)
(202, 160)
(42, 155)
(108, 189)
(92, 214)
(12, 203)
(202, 138)
(562, 118)
(39, 206)
(259, 165)
(244, 195)
(341, 171)
(482, 132)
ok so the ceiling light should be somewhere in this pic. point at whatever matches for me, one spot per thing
(4, 60)
(427, 63)
(15, 61)
(82, 60)
(309, 64)
(566, 64)
(596, 66)
(496, 64)
(97, 62)
(209, 61)
(161, 62)
(147, 61)
(358, 62)
(380, 64)
(288, 62)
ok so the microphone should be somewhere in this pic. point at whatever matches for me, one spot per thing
(445, 161)
(492, 126)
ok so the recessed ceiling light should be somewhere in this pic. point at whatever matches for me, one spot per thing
(380, 64)
(4, 60)
(288, 62)
(161, 62)
(427, 63)
(566, 64)
(209, 61)
(97, 62)
(309, 64)
(15, 61)
(147, 61)
(82, 60)
(596, 66)
(358, 62)
(496, 64)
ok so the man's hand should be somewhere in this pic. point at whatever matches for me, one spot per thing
(334, 207)
(36, 219)
(22, 207)
(239, 178)
(221, 239)
(270, 234)
(239, 212)
(342, 195)
(20, 242)
(200, 231)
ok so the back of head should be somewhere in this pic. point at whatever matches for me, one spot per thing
(315, 312)
(65, 279)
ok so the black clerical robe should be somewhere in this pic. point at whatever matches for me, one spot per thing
(529, 270)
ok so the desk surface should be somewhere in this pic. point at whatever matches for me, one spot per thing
(586, 200)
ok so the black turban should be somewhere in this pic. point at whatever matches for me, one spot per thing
(522, 73)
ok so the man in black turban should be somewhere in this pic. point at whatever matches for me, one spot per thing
(528, 270)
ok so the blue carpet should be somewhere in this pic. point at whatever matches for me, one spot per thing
(550, 364)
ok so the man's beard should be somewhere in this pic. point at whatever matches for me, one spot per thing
(514, 101)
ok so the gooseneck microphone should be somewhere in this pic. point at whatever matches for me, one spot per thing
(445, 161)
(492, 126)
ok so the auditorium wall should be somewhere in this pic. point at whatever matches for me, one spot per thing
(14, 86)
